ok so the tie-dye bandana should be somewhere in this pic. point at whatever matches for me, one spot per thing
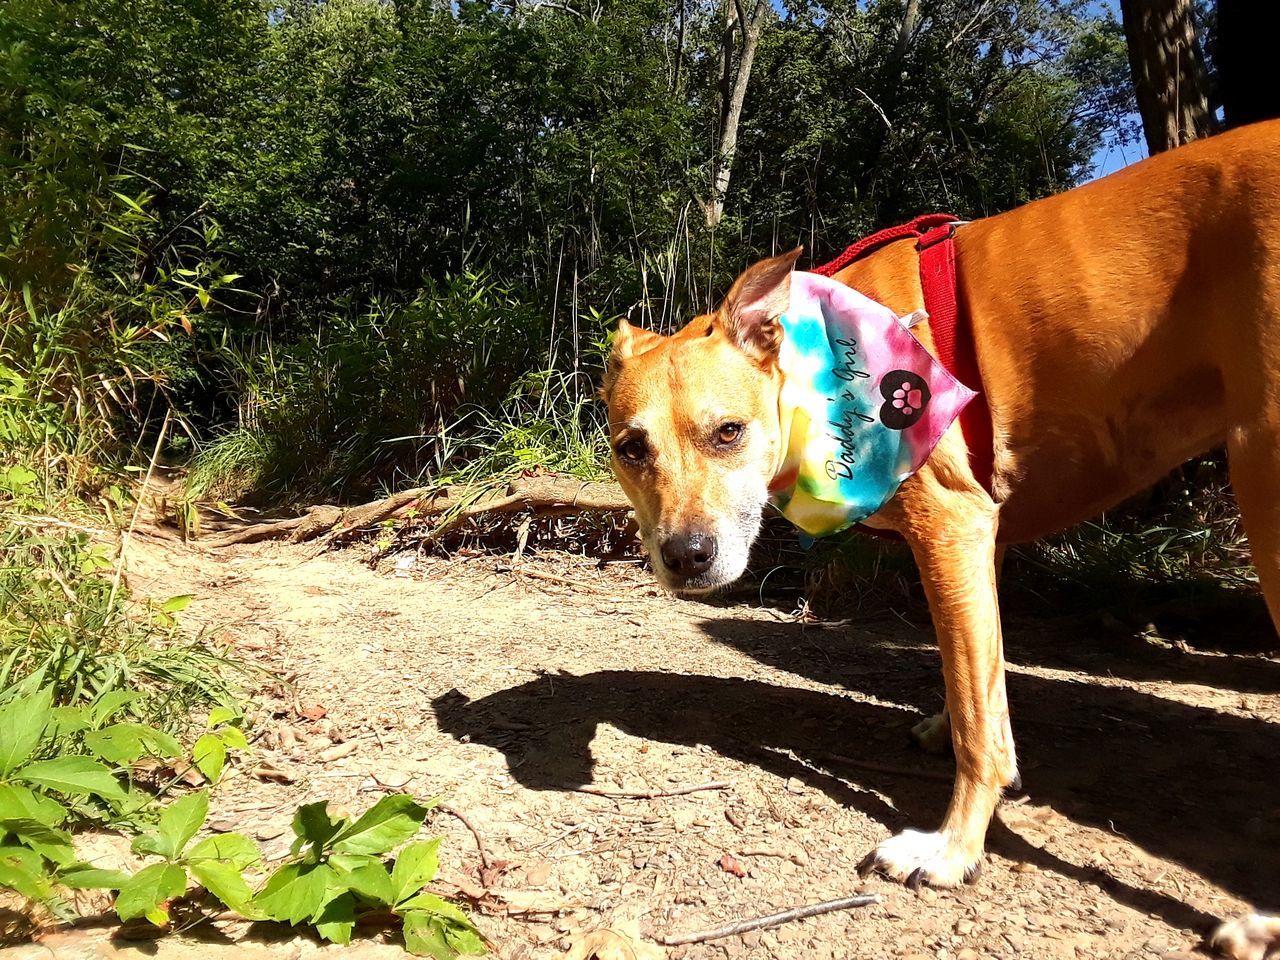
(863, 404)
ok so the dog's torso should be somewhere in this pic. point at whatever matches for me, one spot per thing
(1117, 335)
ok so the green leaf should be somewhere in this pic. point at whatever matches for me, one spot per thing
(227, 883)
(465, 939)
(220, 715)
(312, 824)
(123, 743)
(415, 865)
(337, 919)
(233, 738)
(81, 876)
(148, 890)
(25, 878)
(111, 703)
(50, 843)
(385, 825)
(180, 820)
(210, 756)
(295, 892)
(67, 721)
(233, 848)
(177, 604)
(22, 722)
(364, 875)
(150, 843)
(17, 478)
(424, 936)
(18, 802)
(73, 775)
(430, 903)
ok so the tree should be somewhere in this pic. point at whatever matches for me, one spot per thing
(734, 79)
(1168, 72)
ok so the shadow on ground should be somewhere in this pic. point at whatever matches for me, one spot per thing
(1183, 782)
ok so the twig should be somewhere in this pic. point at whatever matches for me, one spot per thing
(484, 857)
(551, 578)
(563, 835)
(652, 794)
(133, 521)
(888, 768)
(772, 920)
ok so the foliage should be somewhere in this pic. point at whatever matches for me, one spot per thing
(303, 425)
(60, 764)
(1181, 540)
(428, 201)
(65, 616)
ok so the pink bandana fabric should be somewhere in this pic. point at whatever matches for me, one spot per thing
(862, 405)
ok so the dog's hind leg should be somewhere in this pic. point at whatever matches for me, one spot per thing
(951, 526)
(1254, 455)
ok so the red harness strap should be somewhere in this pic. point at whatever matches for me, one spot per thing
(952, 339)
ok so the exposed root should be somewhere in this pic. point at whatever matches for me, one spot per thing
(548, 495)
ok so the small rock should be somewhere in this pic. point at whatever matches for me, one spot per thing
(340, 750)
(392, 779)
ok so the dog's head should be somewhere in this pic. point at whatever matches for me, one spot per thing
(693, 423)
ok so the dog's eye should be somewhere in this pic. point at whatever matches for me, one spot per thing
(728, 433)
(632, 451)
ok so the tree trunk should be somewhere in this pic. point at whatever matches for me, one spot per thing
(910, 14)
(1247, 32)
(1168, 72)
(731, 105)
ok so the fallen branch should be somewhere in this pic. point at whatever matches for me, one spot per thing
(652, 794)
(548, 495)
(772, 920)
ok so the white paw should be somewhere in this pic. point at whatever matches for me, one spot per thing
(922, 859)
(933, 734)
(1254, 937)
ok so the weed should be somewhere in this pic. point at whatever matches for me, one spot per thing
(62, 765)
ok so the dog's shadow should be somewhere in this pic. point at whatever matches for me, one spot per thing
(1182, 782)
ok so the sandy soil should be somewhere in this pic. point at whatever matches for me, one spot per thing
(1150, 804)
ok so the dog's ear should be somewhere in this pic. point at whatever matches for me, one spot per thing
(628, 342)
(756, 300)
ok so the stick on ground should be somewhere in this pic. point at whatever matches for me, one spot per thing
(772, 920)
(484, 857)
(652, 794)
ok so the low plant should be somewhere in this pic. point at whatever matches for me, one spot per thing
(61, 766)
(65, 613)
(365, 395)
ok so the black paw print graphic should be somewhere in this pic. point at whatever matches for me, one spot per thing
(905, 397)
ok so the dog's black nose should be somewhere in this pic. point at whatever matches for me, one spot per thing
(689, 554)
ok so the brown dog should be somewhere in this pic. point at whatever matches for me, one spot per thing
(1121, 328)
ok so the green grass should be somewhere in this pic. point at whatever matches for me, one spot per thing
(551, 422)
(66, 615)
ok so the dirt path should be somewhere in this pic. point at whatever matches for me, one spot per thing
(1150, 773)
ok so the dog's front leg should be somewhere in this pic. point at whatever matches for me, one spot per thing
(952, 535)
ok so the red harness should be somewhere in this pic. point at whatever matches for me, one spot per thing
(952, 338)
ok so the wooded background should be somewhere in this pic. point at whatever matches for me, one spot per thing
(353, 243)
